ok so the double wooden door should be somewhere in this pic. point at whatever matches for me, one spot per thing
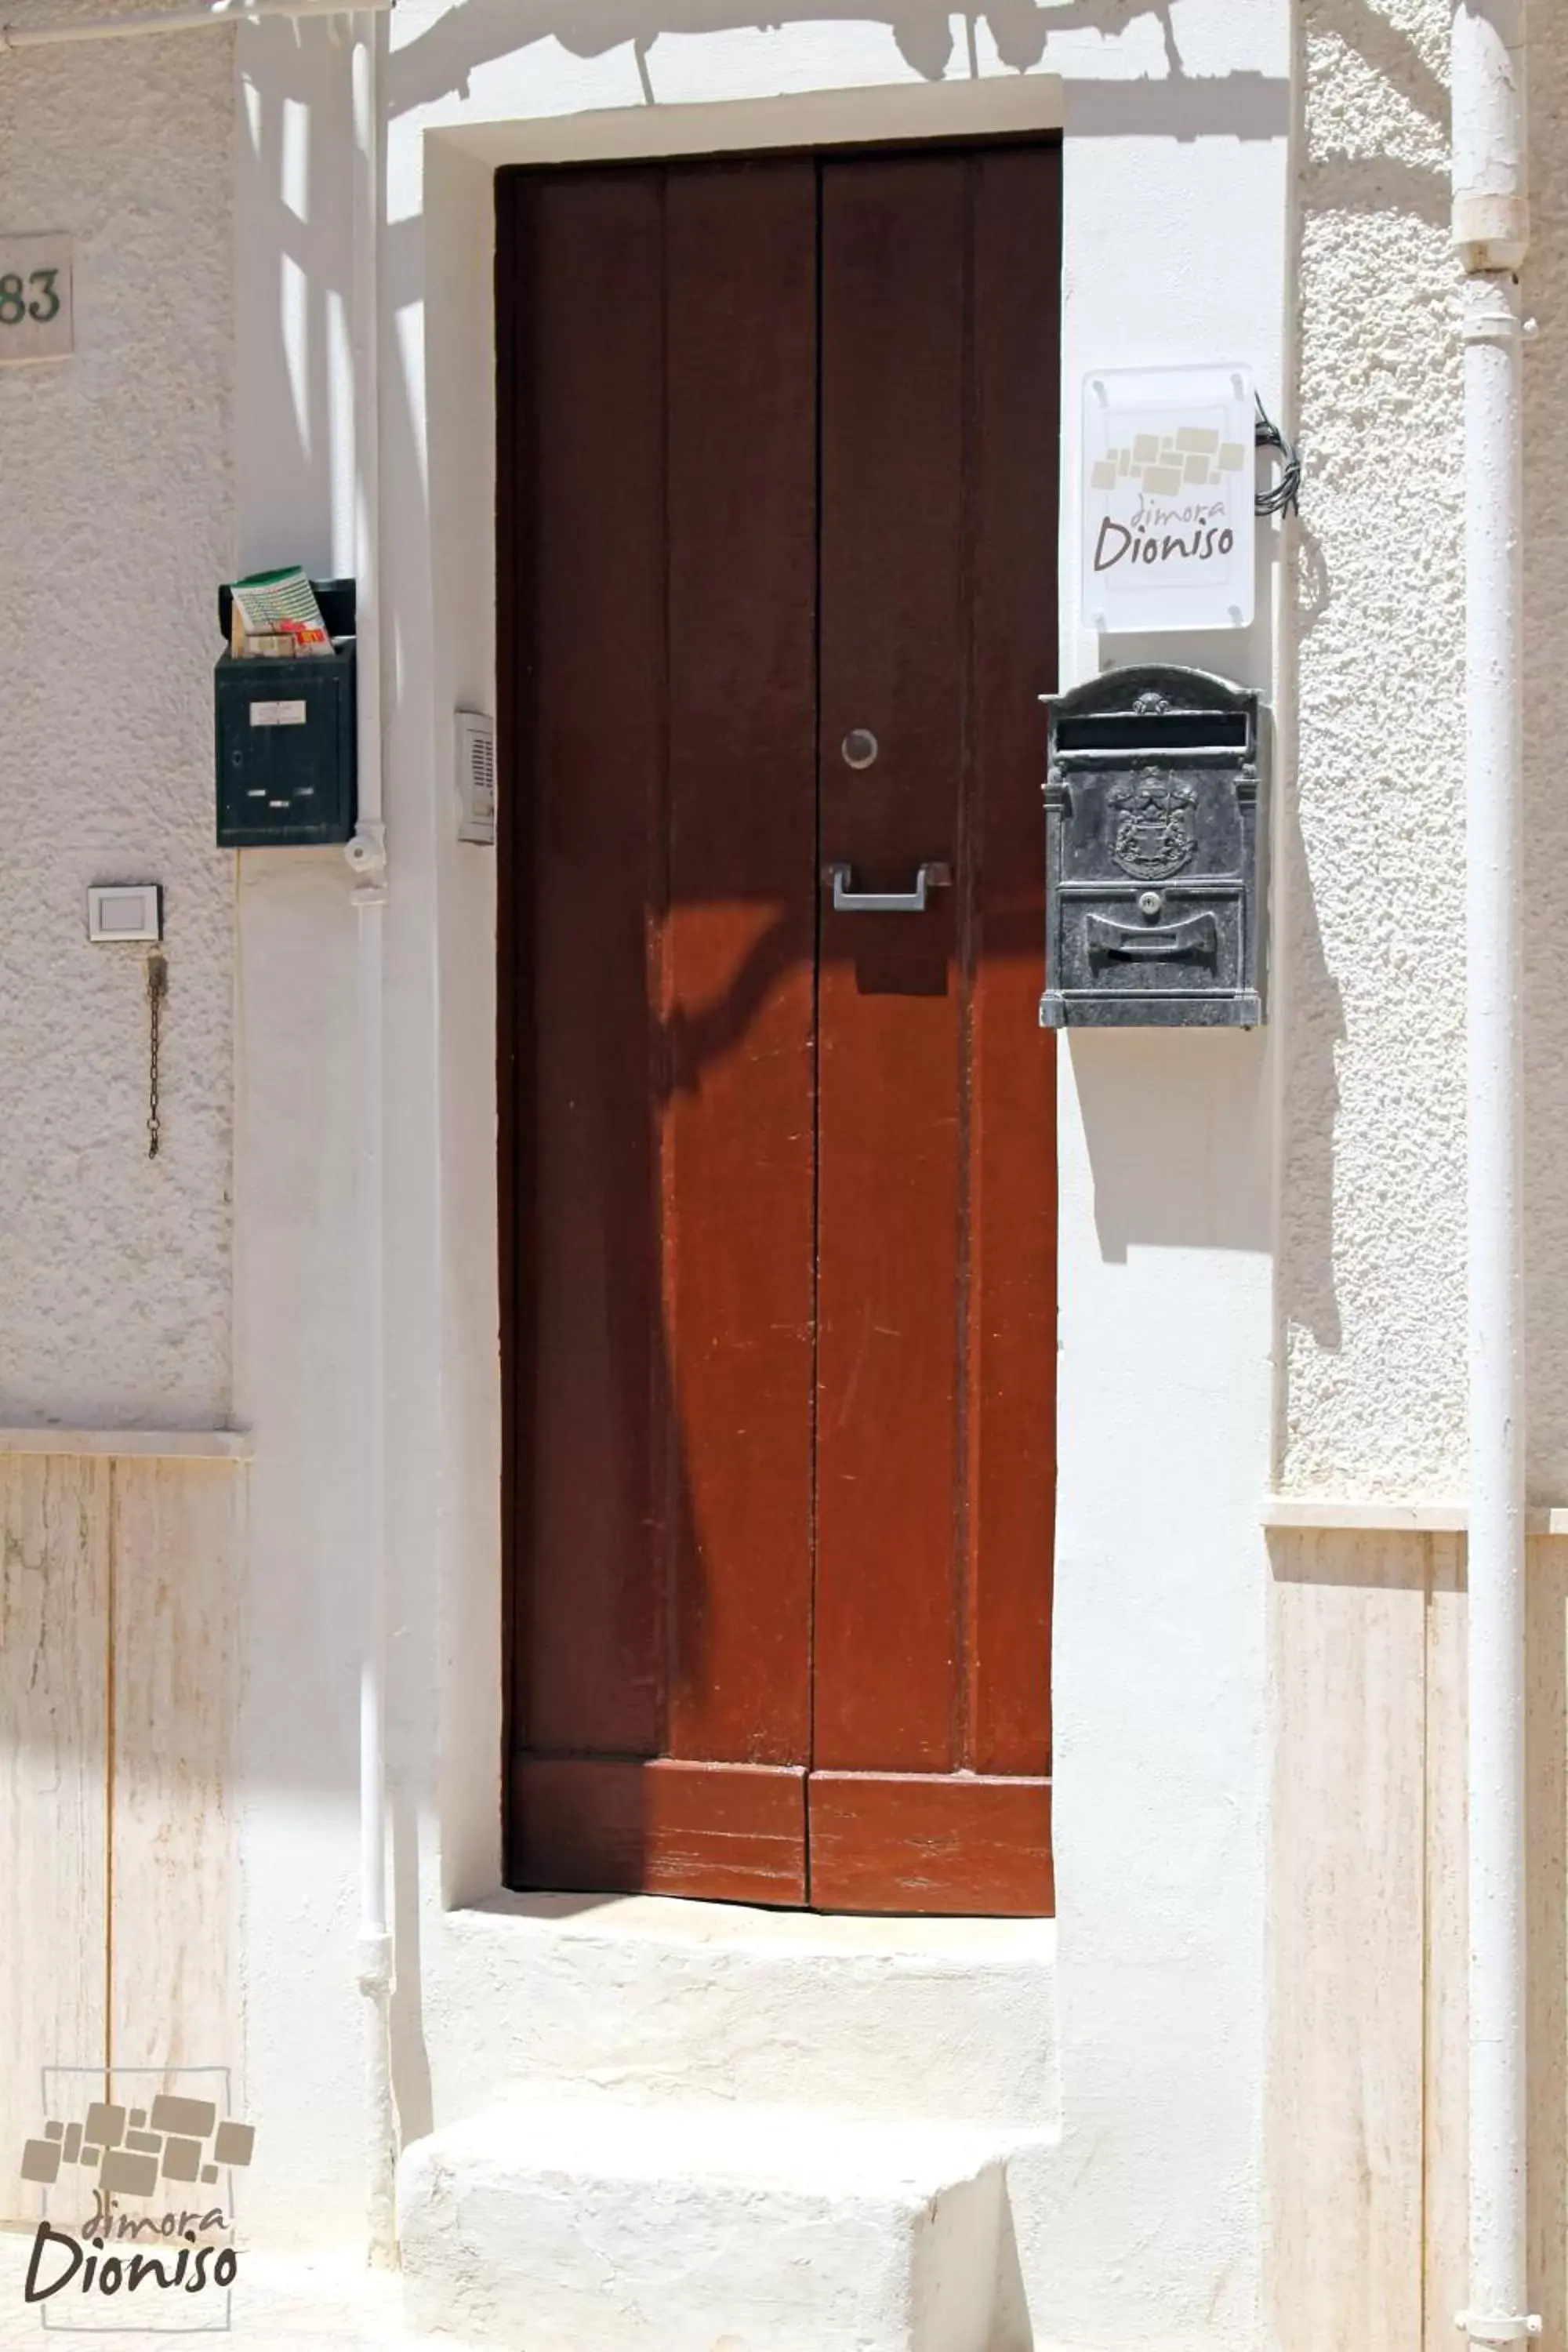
(778, 466)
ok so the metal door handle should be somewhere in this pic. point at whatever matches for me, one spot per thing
(849, 901)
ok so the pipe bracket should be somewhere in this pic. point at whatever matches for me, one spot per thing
(367, 856)
(1491, 310)
(375, 1963)
(1499, 2326)
(1491, 231)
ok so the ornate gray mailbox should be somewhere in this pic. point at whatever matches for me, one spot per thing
(1156, 838)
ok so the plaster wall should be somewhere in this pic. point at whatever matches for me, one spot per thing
(297, 1071)
(116, 524)
(1147, 2226)
(1144, 2222)
(1176, 127)
(1368, 1946)
(1372, 1171)
(1372, 1234)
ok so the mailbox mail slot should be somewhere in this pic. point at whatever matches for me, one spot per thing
(1156, 848)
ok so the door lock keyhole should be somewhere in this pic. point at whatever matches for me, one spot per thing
(858, 747)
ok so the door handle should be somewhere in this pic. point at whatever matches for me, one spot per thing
(849, 901)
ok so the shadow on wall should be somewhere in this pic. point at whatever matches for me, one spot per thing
(1316, 1031)
(1379, 180)
(1368, 180)
(1368, 2125)
(1177, 1126)
(1368, 422)
(1162, 1176)
(438, 63)
(297, 1738)
(1159, 1172)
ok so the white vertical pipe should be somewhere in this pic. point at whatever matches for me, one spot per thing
(367, 855)
(1491, 228)
(1496, 1855)
(365, 335)
(1490, 191)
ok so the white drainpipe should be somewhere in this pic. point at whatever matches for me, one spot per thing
(1491, 229)
(366, 853)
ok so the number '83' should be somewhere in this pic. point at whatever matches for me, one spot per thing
(15, 305)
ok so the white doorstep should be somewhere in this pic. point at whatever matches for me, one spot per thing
(555, 2222)
(927, 2019)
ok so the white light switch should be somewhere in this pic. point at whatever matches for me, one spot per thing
(124, 911)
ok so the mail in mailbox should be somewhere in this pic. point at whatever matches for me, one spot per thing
(1156, 852)
(285, 736)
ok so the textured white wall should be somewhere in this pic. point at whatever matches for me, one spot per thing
(1372, 1262)
(1371, 850)
(114, 531)
(1149, 2227)
(297, 1068)
(1145, 2223)
(114, 1275)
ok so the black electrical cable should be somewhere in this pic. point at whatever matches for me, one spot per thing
(1283, 495)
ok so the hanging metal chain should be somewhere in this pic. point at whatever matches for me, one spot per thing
(157, 990)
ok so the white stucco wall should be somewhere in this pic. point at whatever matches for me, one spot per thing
(296, 1073)
(116, 524)
(1147, 2226)
(1369, 1944)
(1372, 1266)
(1146, 2221)
(1373, 1199)
(204, 421)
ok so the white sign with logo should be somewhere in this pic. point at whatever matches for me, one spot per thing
(1169, 476)
(34, 298)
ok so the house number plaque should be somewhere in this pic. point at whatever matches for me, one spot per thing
(34, 298)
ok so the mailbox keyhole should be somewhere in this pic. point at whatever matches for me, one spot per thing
(1150, 903)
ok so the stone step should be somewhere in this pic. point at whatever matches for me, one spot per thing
(946, 2020)
(557, 2222)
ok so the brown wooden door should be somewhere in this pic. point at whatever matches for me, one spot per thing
(778, 451)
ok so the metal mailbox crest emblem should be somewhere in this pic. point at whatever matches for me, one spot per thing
(1155, 834)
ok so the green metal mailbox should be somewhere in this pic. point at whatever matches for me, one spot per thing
(287, 747)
